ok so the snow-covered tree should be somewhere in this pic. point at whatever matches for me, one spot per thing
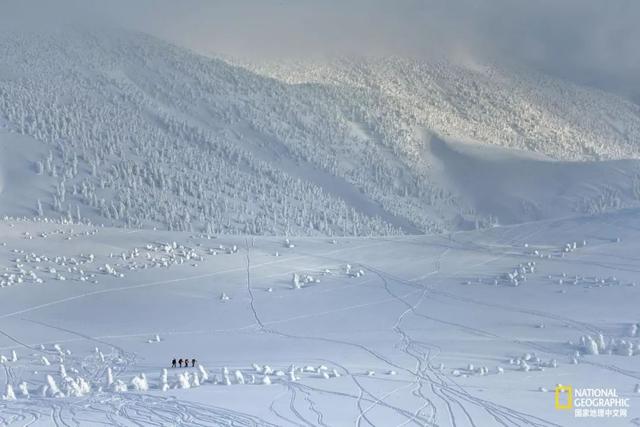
(9, 393)
(140, 383)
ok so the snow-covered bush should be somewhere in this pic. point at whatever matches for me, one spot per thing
(52, 388)
(164, 380)
(292, 373)
(24, 389)
(184, 380)
(140, 383)
(296, 281)
(204, 375)
(623, 347)
(9, 393)
(195, 380)
(109, 377)
(239, 377)
(119, 387)
(225, 376)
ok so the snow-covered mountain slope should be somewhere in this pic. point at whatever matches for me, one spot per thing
(143, 133)
(462, 99)
(471, 329)
(137, 132)
(20, 183)
(514, 186)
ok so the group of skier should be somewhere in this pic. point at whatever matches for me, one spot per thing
(184, 361)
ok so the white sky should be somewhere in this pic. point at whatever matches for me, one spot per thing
(590, 41)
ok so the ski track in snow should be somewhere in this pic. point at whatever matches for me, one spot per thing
(449, 391)
(447, 394)
(169, 282)
(292, 405)
(430, 397)
(124, 409)
(502, 415)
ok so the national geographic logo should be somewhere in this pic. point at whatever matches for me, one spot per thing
(591, 402)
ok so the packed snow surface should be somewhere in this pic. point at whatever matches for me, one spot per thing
(469, 328)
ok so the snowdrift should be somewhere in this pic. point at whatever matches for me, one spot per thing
(515, 186)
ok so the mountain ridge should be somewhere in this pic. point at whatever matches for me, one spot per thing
(258, 153)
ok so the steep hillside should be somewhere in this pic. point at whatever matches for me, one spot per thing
(21, 184)
(462, 99)
(254, 155)
(513, 186)
(128, 130)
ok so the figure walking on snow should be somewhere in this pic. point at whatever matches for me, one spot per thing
(180, 362)
(186, 363)
(193, 363)
(173, 363)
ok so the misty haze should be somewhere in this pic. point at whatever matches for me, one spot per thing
(319, 213)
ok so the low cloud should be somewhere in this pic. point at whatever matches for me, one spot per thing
(588, 41)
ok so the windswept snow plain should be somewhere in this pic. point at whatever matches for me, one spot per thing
(422, 330)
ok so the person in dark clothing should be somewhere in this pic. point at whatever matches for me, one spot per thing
(193, 363)
(186, 362)
(173, 363)
(180, 362)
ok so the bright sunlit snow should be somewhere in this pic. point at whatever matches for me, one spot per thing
(193, 238)
(445, 329)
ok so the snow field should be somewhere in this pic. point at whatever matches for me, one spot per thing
(386, 331)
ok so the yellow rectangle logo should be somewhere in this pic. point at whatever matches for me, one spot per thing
(562, 389)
